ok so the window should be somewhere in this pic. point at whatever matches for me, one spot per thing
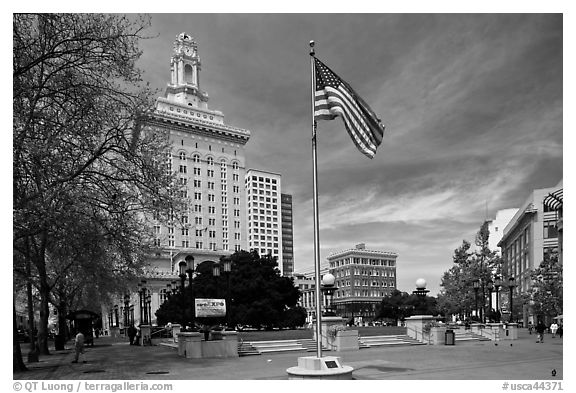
(550, 230)
(183, 156)
(182, 169)
(210, 161)
(196, 158)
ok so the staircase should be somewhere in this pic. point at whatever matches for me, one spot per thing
(389, 340)
(463, 336)
(246, 348)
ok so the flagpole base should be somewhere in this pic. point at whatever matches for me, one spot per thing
(313, 367)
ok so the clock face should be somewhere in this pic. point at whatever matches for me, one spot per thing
(188, 51)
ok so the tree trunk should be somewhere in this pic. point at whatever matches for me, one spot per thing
(32, 354)
(17, 362)
(44, 290)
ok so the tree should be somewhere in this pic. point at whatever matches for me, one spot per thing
(458, 296)
(83, 161)
(399, 305)
(259, 296)
(547, 287)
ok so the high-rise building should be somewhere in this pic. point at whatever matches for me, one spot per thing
(209, 159)
(264, 217)
(287, 235)
(363, 278)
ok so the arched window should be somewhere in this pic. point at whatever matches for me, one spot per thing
(182, 156)
(223, 164)
(188, 74)
(235, 165)
(210, 161)
(196, 158)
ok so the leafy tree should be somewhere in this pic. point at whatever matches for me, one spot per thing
(399, 305)
(458, 296)
(258, 295)
(547, 287)
(85, 167)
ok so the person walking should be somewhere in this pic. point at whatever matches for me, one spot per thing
(540, 329)
(78, 347)
(553, 329)
(530, 327)
(560, 330)
(131, 334)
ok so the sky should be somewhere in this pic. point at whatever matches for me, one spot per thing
(472, 105)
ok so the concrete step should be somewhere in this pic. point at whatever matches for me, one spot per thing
(393, 340)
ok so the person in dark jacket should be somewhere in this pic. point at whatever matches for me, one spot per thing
(131, 334)
(540, 329)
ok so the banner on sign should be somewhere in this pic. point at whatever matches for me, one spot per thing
(210, 307)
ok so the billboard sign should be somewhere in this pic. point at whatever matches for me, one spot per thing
(210, 307)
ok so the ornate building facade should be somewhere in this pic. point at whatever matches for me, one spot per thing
(208, 157)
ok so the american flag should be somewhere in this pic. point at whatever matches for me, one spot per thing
(334, 97)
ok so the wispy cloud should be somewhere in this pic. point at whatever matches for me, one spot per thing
(472, 106)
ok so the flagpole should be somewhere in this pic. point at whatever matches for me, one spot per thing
(316, 220)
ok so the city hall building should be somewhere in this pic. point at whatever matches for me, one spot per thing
(208, 157)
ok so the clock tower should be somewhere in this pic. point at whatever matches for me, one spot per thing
(184, 86)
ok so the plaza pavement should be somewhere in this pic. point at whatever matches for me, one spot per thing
(110, 359)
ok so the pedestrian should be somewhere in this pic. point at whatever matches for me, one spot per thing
(553, 329)
(530, 327)
(78, 347)
(137, 335)
(131, 334)
(540, 329)
(560, 330)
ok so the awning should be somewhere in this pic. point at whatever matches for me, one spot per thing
(554, 200)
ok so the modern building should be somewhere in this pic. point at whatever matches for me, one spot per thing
(363, 278)
(208, 157)
(496, 227)
(263, 196)
(534, 230)
(287, 234)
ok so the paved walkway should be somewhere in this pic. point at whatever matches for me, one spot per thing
(522, 359)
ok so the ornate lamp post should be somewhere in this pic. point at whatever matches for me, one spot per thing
(421, 292)
(182, 275)
(149, 310)
(142, 293)
(117, 323)
(476, 285)
(126, 310)
(490, 286)
(328, 288)
(511, 286)
(497, 285)
(216, 273)
(227, 265)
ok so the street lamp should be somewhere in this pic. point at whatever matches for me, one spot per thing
(182, 275)
(149, 310)
(511, 286)
(116, 315)
(421, 292)
(476, 285)
(227, 265)
(142, 292)
(126, 310)
(328, 288)
(497, 285)
(490, 286)
(216, 273)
